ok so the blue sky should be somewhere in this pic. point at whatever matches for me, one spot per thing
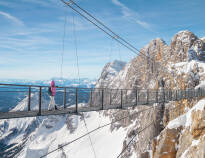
(31, 33)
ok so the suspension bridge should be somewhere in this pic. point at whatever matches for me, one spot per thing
(72, 100)
(75, 100)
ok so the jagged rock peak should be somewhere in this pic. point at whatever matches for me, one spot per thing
(156, 49)
(203, 39)
(110, 70)
(181, 43)
(183, 38)
(117, 65)
(156, 40)
(154, 43)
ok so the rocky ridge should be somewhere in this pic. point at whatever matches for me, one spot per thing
(173, 64)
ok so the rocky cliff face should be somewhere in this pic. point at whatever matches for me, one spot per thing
(109, 72)
(203, 39)
(179, 70)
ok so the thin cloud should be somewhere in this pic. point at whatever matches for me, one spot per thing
(45, 3)
(12, 18)
(142, 23)
(131, 15)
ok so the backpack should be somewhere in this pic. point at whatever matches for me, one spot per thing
(49, 91)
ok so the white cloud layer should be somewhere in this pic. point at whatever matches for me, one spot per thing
(12, 18)
(130, 14)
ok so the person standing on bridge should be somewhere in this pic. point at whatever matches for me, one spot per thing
(52, 92)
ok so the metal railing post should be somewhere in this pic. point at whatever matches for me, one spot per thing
(200, 92)
(185, 94)
(136, 97)
(29, 99)
(188, 93)
(76, 100)
(192, 93)
(148, 96)
(164, 99)
(110, 96)
(170, 95)
(176, 96)
(40, 100)
(125, 96)
(91, 97)
(64, 102)
(121, 97)
(179, 94)
(156, 99)
(102, 98)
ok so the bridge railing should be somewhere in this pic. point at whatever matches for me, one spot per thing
(36, 98)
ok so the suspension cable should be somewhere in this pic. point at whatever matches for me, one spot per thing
(116, 35)
(125, 148)
(109, 32)
(76, 48)
(63, 46)
(92, 147)
(112, 34)
(68, 4)
(96, 129)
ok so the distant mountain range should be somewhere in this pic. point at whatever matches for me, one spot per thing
(83, 82)
(10, 97)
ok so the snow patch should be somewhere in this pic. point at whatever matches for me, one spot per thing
(47, 139)
(179, 121)
(195, 142)
(186, 119)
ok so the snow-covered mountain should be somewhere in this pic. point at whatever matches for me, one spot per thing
(109, 72)
(83, 82)
(34, 137)
(177, 128)
(172, 64)
(203, 39)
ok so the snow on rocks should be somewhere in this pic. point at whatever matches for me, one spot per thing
(186, 119)
(179, 121)
(109, 72)
(47, 139)
(183, 135)
(203, 39)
